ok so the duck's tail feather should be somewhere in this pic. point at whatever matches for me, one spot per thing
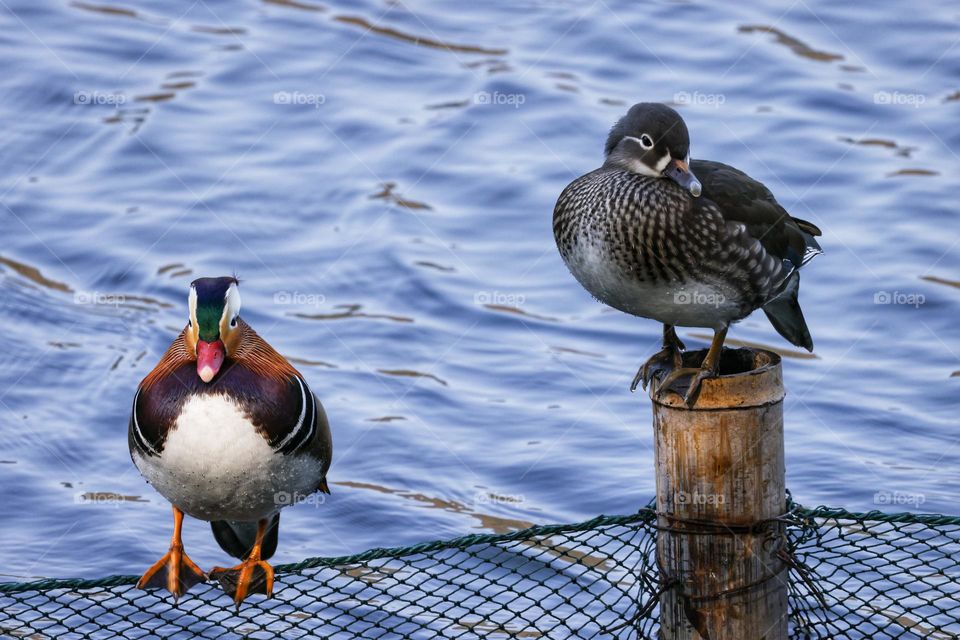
(237, 538)
(808, 227)
(785, 314)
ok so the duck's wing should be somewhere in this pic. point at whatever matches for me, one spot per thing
(303, 428)
(742, 199)
(289, 415)
(159, 397)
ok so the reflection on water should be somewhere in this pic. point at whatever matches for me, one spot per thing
(880, 142)
(408, 373)
(33, 275)
(497, 524)
(797, 46)
(351, 311)
(302, 362)
(362, 22)
(487, 521)
(938, 280)
(381, 175)
(110, 11)
(387, 193)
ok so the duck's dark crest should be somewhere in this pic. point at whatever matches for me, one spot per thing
(658, 120)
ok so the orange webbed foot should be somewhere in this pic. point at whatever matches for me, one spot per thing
(250, 576)
(175, 572)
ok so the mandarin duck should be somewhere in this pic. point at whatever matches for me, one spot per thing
(692, 244)
(228, 431)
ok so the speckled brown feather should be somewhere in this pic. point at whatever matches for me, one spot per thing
(660, 234)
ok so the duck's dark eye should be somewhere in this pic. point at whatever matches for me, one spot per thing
(233, 322)
(190, 323)
(646, 141)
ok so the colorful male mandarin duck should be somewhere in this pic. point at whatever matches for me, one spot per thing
(227, 431)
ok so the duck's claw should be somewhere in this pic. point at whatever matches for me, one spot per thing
(249, 577)
(670, 357)
(693, 391)
(665, 385)
(175, 572)
(697, 376)
(710, 368)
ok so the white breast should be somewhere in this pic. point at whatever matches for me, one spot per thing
(216, 466)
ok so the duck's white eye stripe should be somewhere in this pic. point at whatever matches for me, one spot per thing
(192, 304)
(232, 307)
(645, 141)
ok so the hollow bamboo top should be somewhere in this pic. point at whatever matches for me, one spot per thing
(748, 378)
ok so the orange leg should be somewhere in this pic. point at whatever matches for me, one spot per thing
(253, 575)
(175, 571)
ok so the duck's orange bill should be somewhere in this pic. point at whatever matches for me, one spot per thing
(209, 358)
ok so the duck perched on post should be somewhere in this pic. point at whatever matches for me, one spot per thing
(229, 432)
(688, 243)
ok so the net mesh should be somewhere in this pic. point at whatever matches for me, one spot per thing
(855, 575)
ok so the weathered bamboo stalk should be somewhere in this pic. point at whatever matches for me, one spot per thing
(720, 487)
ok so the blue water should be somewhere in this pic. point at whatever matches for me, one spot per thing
(387, 202)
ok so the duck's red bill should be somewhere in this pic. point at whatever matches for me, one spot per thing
(209, 358)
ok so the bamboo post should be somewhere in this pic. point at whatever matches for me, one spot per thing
(720, 488)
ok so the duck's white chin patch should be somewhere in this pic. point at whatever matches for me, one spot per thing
(638, 166)
(662, 163)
